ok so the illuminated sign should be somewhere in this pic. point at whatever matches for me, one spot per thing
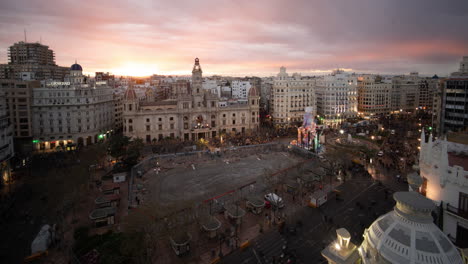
(58, 83)
(101, 83)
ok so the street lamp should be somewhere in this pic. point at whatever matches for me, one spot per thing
(341, 131)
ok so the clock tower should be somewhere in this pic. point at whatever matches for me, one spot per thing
(197, 78)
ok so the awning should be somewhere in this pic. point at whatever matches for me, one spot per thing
(256, 201)
(102, 213)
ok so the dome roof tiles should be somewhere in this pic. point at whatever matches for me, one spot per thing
(76, 67)
(405, 235)
(130, 94)
(253, 91)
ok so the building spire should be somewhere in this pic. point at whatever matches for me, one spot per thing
(25, 39)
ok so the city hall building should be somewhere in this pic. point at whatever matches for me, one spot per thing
(192, 114)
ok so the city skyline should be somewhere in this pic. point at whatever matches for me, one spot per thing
(234, 38)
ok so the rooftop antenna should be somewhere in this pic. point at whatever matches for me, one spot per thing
(25, 40)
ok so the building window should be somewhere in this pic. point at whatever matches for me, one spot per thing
(172, 126)
(160, 127)
(213, 123)
(130, 128)
(185, 125)
(186, 105)
(147, 120)
(147, 128)
(212, 104)
(224, 122)
(130, 121)
(148, 138)
(159, 119)
(129, 107)
(234, 122)
(171, 118)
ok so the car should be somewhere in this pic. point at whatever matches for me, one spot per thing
(380, 154)
(274, 200)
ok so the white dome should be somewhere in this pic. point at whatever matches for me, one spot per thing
(408, 235)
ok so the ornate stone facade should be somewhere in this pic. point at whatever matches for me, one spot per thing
(444, 170)
(189, 115)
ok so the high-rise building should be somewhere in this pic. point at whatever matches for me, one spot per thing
(454, 114)
(336, 97)
(289, 98)
(6, 140)
(31, 61)
(30, 53)
(76, 111)
(192, 114)
(374, 95)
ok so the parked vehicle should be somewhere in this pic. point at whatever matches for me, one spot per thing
(274, 200)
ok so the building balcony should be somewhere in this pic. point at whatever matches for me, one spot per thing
(457, 211)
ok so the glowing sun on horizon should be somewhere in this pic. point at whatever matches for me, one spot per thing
(135, 69)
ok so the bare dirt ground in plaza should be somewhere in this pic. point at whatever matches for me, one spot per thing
(213, 177)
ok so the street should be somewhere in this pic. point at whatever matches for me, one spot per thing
(361, 200)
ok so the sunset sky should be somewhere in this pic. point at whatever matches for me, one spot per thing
(240, 38)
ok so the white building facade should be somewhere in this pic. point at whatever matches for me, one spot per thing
(444, 170)
(336, 97)
(289, 98)
(76, 111)
(240, 89)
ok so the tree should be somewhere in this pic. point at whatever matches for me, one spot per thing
(117, 145)
(132, 153)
